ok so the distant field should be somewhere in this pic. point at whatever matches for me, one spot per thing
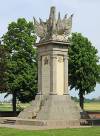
(87, 106)
(8, 106)
(92, 106)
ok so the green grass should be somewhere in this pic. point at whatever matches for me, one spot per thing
(5, 107)
(95, 131)
(92, 106)
(8, 107)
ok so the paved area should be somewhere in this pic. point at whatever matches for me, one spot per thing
(24, 127)
(27, 127)
(31, 127)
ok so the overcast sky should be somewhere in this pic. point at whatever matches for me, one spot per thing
(86, 16)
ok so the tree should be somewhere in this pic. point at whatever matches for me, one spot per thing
(98, 77)
(3, 68)
(83, 65)
(22, 65)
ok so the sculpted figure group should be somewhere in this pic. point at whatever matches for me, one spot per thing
(54, 29)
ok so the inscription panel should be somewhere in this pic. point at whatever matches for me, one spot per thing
(60, 75)
(46, 74)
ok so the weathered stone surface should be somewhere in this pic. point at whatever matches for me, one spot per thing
(54, 29)
(57, 68)
(52, 110)
(31, 111)
(59, 107)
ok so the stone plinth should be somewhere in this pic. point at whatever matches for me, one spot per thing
(52, 110)
(57, 111)
(59, 107)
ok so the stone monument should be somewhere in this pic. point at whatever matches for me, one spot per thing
(53, 103)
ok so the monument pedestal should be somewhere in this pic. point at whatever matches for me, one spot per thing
(59, 107)
(58, 111)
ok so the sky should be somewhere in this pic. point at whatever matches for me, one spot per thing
(86, 18)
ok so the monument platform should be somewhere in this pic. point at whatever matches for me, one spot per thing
(52, 110)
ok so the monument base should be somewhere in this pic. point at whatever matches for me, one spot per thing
(48, 123)
(52, 110)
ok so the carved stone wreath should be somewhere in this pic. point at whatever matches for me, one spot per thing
(60, 59)
(45, 60)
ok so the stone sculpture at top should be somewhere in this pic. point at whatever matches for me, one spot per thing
(54, 29)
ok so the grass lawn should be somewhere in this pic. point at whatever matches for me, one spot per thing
(8, 106)
(95, 131)
(94, 106)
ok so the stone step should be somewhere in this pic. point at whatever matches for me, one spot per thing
(7, 121)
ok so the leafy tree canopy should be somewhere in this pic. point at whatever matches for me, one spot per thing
(83, 65)
(3, 68)
(22, 66)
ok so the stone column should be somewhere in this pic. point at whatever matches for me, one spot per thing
(40, 75)
(65, 74)
(53, 74)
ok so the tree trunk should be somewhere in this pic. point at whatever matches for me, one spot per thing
(14, 102)
(81, 100)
